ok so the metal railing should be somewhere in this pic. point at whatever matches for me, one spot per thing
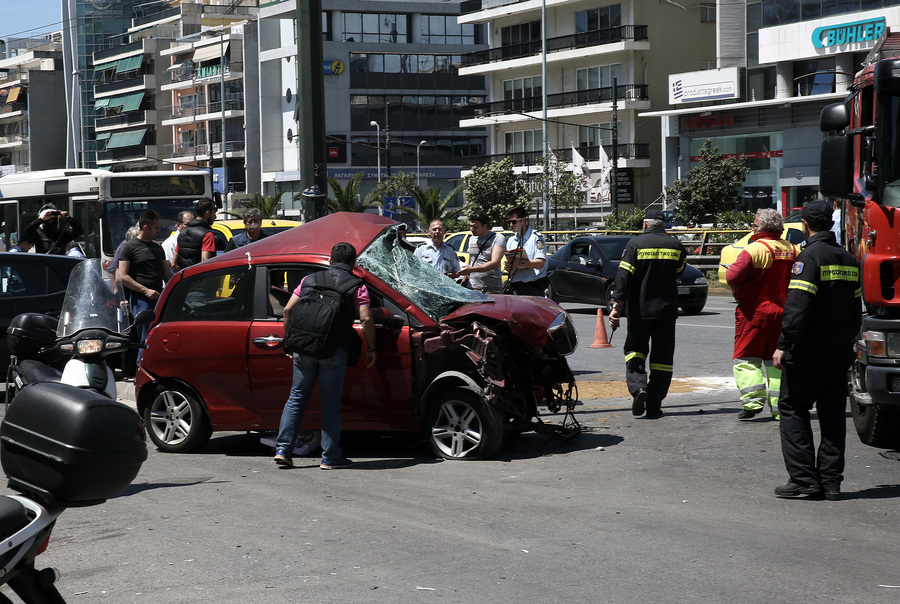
(573, 98)
(533, 158)
(586, 39)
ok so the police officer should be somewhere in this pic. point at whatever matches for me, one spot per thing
(526, 257)
(821, 319)
(645, 283)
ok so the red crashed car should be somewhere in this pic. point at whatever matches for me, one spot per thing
(465, 367)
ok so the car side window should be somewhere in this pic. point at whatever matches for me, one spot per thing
(222, 295)
(581, 251)
(23, 279)
(794, 236)
(455, 242)
(281, 283)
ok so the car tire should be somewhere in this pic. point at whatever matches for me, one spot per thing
(876, 426)
(461, 425)
(176, 421)
(607, 297)
(551, 293)
(692, 310)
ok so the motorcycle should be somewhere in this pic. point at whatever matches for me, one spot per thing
(60, 446)
(94, 323)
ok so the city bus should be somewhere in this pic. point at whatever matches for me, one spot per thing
(105, 203)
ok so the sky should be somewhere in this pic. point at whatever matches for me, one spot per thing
(43, 16)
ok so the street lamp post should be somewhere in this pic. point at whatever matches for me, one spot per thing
(377, 146)
(419, 146)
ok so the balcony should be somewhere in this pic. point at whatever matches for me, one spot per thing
(587, 39)
(203, 110)
(132, 118)
(146, 81)
(575, 98)
(126, 153)
(626, 151)
(190, 150)
(199, 75)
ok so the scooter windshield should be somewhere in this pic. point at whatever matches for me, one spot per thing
(91, 302)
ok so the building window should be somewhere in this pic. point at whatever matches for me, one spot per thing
(707, 65)
(592, 78)
(376, 27)
(814, 77)
(524, 141)
(521, 33)
(445, 29)
(707, 13)
(598, 18)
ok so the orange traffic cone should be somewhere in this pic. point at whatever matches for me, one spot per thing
(600, 339)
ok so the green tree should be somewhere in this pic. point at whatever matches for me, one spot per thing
(431, 206)
(632, 220)
(397, 185)
(495, 188)
(709, 188)
(346, 198)
(267, 206)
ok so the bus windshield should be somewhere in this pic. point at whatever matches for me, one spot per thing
(122, 215)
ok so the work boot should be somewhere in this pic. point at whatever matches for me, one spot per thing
(747, 414)
(792, 489)
(639, 402)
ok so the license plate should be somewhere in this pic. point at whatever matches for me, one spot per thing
(683, 290)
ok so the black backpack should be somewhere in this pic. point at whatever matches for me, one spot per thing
(322, 319)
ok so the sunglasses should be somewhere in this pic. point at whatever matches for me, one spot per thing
(515, 220)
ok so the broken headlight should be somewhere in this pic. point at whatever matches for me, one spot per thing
(562, 334)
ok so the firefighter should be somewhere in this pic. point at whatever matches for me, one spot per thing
(821, 319)
(645, 283)
(759, 278)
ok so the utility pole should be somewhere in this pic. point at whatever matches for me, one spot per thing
(387, 136)
(544, 133)
(311, 102)
(614, 176)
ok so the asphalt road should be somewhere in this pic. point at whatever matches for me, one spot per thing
(673, 510)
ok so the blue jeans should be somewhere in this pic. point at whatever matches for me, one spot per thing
(138, 303)
(330, 374)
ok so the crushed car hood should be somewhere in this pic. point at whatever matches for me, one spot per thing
(528, 317)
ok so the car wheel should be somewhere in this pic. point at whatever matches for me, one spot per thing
(551, 293)
(176, 421)
(607, 297)
(462, 426)
(692, 310)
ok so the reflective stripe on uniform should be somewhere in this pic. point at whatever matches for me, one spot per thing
(626, 266)
(838, 272)
(658, 253)
(633, 355)
(805, 286)
(660, 367)
(858, 293)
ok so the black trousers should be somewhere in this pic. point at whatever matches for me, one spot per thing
(530, 288)
(819, 382)
(638, 354)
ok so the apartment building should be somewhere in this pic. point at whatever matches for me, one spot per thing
(779, 63)
(32, 107)
(392, 69)
(589, 46)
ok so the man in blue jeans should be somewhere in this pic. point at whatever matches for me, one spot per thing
(329, 372)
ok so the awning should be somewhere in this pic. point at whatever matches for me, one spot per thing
(175, 66)
(208, 53)
(101, 103)
(105, 66)
(130, 64)
(119, 140)
(102, 136)
(13, 94)
(133, 102)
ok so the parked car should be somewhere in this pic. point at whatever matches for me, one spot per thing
(793, 232)
(584, 271)
(464, 367)
(31, 283)
(224, 230)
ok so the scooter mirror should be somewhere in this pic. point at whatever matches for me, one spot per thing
(144, 317)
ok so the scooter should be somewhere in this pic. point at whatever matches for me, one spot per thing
(94, 323)
(60, 446)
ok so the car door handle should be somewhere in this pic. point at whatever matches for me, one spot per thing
(269, 341)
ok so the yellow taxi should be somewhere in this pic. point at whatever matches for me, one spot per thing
(460, 242)
(793, 232)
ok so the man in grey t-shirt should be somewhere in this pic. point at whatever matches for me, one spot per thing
(486, 250)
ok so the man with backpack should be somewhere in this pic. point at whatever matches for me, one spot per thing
(319, 335)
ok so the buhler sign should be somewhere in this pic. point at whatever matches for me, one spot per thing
(848, 33)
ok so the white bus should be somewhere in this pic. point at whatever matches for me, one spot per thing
(105, 203)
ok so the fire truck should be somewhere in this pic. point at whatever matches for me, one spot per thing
(860, 166)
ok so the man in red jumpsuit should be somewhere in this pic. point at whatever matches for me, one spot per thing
(759, 278)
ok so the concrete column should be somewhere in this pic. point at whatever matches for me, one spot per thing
(844, 70)
(784, 80)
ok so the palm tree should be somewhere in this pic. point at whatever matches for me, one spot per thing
(346, 199)
(267, 206)
(431, 206)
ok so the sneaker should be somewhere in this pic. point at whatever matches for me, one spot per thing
(747, 414)
(283, 458)
(792, 489)
(639, 402)
(336, 464)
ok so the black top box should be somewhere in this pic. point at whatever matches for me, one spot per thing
(66, 446)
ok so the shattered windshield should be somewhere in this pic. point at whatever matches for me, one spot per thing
(436, 294)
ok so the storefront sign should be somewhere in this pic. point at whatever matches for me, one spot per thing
(716, 120)
(706, 85)
(848, 33)
(334, 67)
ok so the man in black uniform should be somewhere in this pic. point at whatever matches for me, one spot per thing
(52, 230)
(821, 319)
(645, 282)
(197, 242)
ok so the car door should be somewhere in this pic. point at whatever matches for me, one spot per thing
(578, 276)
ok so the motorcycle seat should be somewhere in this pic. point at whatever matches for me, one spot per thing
(36, 372)
(13, 517)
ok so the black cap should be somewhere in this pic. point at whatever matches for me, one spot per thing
(817, 212)
(655, 215)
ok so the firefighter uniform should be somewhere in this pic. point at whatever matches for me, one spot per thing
(759, 278)
(646, 282)
(821, 319)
